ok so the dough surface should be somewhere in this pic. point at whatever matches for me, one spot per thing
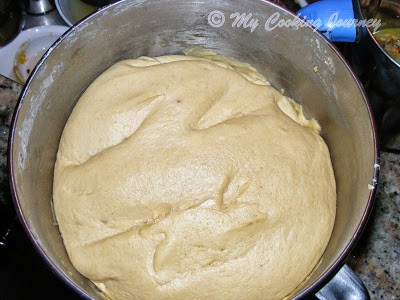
(184, 178)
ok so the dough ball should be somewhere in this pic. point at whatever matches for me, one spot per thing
(180, 177)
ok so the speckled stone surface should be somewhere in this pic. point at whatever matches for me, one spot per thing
(376, 258)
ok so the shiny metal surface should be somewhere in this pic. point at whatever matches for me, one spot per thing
(287, 57)
(345, 285)
(51, 18)
(379, 71)
(72, 11)
(38, 7)
(371, 59)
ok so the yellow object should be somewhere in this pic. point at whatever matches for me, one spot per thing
(180, 177)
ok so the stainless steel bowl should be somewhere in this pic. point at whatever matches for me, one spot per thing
(129, 29)
(379, 71)
(369, 58)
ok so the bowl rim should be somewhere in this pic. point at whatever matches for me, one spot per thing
(317, 284)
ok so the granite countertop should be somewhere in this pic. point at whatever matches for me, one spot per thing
(375, 259)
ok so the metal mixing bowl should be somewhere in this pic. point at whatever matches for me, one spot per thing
(298, 60)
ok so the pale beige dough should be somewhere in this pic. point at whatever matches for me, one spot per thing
(183, 178)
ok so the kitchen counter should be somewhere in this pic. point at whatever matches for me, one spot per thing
(375, 259)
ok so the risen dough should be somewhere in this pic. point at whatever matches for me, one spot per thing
(183, 178)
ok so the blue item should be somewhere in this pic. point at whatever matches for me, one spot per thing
(334, 18)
